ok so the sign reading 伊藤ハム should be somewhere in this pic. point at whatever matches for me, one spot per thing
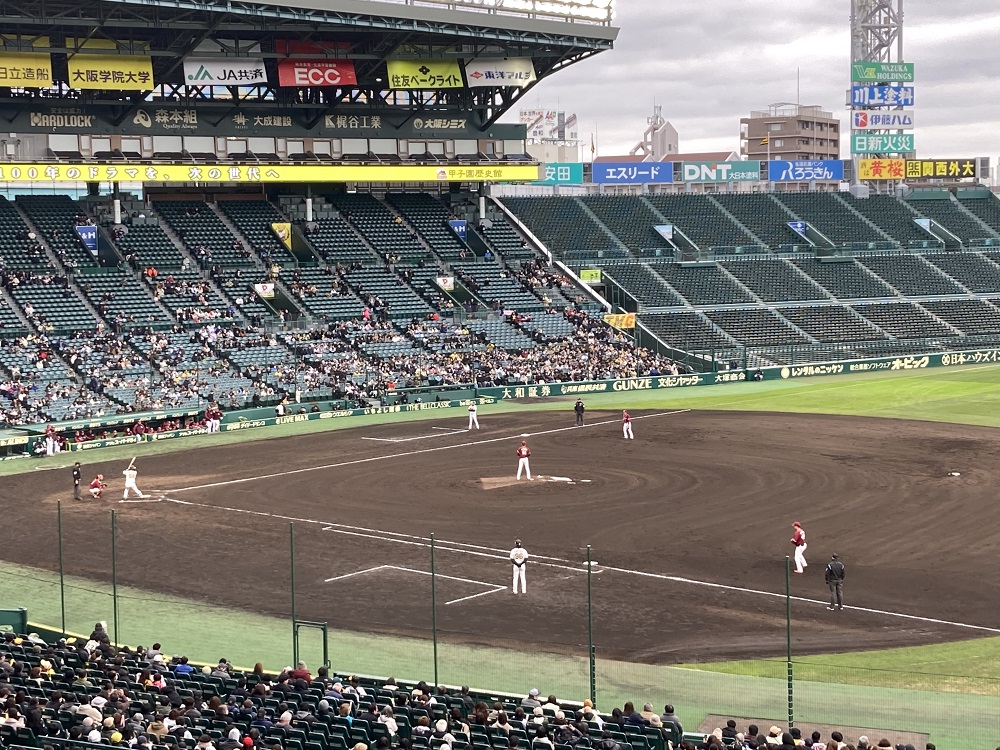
(880, 119)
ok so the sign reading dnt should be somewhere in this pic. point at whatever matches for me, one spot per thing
(826, 170)
(884, 143)
(221, 71)
(632, 173)
(174, 173)
(880, 119)
(513, 71)
(424, 74)
(877, 72)
(881, 96)
(722, 171)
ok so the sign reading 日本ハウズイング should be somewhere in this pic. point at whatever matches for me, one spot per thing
(173, 173)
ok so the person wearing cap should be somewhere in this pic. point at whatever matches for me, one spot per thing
(523, 454)
(835, 573)
(531, 700)
(518, 559)
(799, 540)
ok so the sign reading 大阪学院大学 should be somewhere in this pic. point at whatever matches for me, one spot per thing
(877, 72)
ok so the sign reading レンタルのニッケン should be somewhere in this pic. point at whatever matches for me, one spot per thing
(174, 173)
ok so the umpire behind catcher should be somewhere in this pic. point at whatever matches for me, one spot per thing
(835, 573)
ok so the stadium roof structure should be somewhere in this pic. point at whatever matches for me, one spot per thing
(553, 34)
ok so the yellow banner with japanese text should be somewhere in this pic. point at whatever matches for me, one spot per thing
(881, 169)
(25, 69)
(283, 231)
(110, 72)
(620, 320)
(425, 74)
(259, 173)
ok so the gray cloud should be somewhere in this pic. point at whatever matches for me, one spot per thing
(710, 63)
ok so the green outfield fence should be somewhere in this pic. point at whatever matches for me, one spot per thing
(125, 579)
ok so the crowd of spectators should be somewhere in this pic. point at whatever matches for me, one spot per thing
(88, 690)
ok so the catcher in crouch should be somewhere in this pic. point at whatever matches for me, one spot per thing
(97, 486)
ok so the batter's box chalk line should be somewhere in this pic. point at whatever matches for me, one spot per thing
(492, 588)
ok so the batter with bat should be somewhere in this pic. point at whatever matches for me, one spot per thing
(130, 475)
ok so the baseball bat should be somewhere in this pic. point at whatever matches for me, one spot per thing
(131, 463)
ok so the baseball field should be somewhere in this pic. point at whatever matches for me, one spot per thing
(688, 526)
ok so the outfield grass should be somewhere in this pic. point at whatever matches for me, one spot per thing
(948, 690)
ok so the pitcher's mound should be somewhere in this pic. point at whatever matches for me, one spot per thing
(492, 483)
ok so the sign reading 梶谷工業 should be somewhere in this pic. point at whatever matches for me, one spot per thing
(882, 119)
(720, 171)
(882, 143)
(87, 70)
(877, 72)
(881, 96)
(823, 170)
(220, 71)
(261, 173)
(513, 71)
(632, 173)
(424, 74)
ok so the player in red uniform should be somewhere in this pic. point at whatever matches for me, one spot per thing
(627, 426)
(97, 486)
(523, 453)
(799, 540)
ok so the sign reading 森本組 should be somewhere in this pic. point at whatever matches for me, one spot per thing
(424, 74)
(261, 173)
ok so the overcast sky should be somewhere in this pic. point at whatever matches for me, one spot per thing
(710, 62)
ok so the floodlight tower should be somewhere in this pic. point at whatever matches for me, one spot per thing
(877, 30)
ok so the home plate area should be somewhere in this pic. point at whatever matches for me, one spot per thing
(493, 483)
(396, 578)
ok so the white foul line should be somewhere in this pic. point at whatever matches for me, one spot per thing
(418, 437)
(355, 573)
(493, 587)
(481, 593)
(411, 453)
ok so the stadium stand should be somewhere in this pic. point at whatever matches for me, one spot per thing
(703, 284)
(495, 286)
(910, 275)
(763, 216)
(631, 219)
(985, 207)
(893, 217)
(565, 228)
(831, 323)
(904, 320)
(120, 299)
(756, 327)
(430, 218)
(325, 293)
(55, 216)
(49, 302)
(336, 242)
(687, 330)
(702, 221)
(951, 216)
(253, 219)
(827, 213)
(971, 316)
(379, 226)
(148, 245)
(204, 235)
(774, 280)
(19, 245)
(401, 299)
(504, 241)
(977, 273)
(845, 280)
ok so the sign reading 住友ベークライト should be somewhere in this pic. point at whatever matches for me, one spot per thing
(174, 173)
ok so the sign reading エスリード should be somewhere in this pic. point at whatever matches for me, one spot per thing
(173, 173)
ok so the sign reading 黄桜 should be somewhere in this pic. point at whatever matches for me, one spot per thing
(262, 173)
(882, 119)
(632, 173)
(882, 143)
(881, 96)
(424, 74)
(562, 174)
(823, 170)
(878, 72)
(720, 171)
(513, 71)
(915, 169)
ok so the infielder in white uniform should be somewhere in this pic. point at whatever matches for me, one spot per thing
(130, 475)
(518, 558)
(627, 426)
(473, 419)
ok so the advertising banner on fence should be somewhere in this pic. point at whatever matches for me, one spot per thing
(88, 236)
(460, 227)
(425, 74)
(632, 173)
(447, 283)
(513, 71)
(222, 71)
(956, 168)
(826, 170)
(113, 72)
(27, 69)
(799, 227)
(172, 173)
(283, 231)
(620, 320)
(879, 119)
(721, 171)
(310, 73)
(882, 143)
(265, 290)
(881, 169)
(881, 96)
(877, 72)
(563, 174)
(590, 275)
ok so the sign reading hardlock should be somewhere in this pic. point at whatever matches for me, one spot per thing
(316, 73)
